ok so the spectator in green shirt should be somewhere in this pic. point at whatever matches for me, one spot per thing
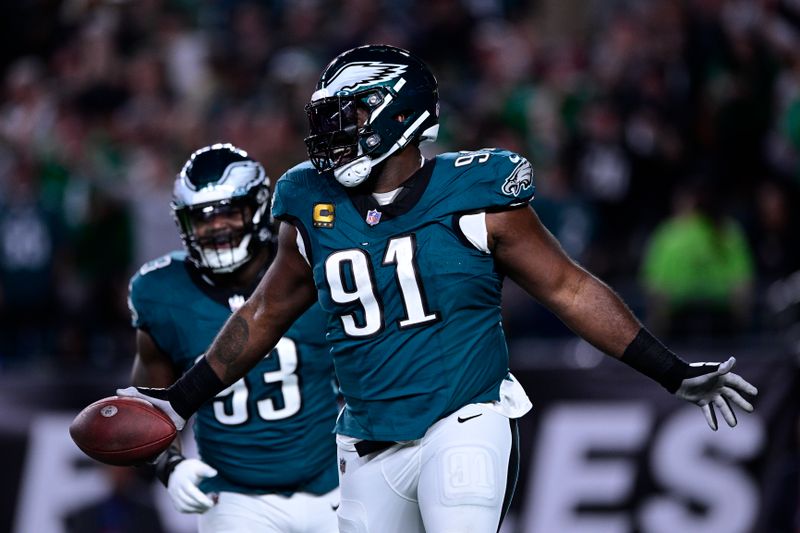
(698, 268)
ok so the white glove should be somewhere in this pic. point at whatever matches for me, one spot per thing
(157, 397)
(713, 384)
(183, 486)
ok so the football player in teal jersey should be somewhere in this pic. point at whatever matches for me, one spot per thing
(407, 256)
(267, 452)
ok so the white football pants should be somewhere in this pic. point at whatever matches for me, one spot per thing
(272, 513)
(458, 478)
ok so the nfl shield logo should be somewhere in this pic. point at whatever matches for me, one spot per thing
(373, 217)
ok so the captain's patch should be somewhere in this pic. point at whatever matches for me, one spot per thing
(323, 215)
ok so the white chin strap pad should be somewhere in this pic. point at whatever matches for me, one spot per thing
(353, 173)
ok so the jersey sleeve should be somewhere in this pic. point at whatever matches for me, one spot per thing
(290, 192)
(491, 179)
(138, 302)
(145, 294)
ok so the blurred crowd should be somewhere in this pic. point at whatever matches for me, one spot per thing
(665, 137)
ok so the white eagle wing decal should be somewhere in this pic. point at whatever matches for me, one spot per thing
(520, 179)
(240, 173)
(362, 74)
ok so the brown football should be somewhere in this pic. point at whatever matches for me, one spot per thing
(122, 431)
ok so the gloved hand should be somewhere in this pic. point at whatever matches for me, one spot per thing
(183, 489)
(713, 384)
(157, 397)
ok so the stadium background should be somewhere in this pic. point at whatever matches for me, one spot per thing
(665, 137)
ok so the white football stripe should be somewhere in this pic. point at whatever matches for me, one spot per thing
(403, 140)
(377, 112)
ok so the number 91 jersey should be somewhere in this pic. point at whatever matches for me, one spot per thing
(271, 431)
(411, 287)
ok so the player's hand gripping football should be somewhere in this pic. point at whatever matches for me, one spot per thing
(157, 397)
(183, 489)
(711, 385)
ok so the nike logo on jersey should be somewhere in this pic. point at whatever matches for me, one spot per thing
(335, 507)
(462, 420)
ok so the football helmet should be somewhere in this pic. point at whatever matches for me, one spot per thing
(220, 203)
(388, 84)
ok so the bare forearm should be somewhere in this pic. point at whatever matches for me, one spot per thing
(229, 353)
(248, 335)
(592, 310)
(532, 257)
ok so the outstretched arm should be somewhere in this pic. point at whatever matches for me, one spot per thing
(284, 293)
(531, 256)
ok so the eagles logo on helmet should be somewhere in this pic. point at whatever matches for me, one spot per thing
(220, 204)
(399, 95)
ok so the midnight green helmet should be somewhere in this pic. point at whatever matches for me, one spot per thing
(388, 83)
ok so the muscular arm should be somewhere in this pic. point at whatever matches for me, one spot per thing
(531, 256)
(284, 293)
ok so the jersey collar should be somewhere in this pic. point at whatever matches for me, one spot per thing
(220, 293)
(413, 188)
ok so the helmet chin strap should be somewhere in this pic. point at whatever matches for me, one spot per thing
(355, 172)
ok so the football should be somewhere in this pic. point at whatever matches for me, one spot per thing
(122, 431)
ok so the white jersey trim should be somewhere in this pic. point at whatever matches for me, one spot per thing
(474, 229)
(301, 247)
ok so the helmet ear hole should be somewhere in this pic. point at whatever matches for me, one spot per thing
(403, 115)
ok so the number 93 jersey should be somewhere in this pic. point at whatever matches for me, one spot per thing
(271, 431)
(411, 287)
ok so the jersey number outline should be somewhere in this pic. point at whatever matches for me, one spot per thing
(468, 157)
(231, 406)
(351, 278)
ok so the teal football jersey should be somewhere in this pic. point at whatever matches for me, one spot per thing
(271, 431)
(415, 326)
